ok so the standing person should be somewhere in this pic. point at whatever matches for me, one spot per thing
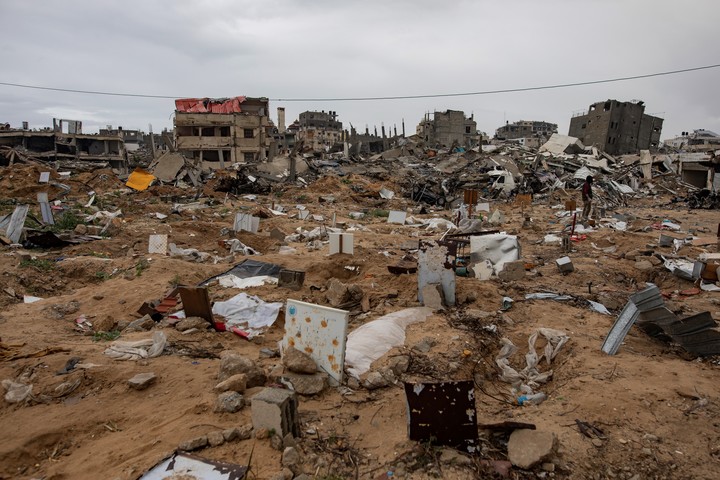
(587, 196)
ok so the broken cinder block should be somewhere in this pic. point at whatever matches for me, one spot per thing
(275, 409)
(564, 264)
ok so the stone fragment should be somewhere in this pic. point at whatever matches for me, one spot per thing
(291, 459)
(215, 439)
(232, 364)
(375, 380)
(643, 265)
(286, 474)
(194, 444)
(236, 383)
(104, 324)
(298, 362)
(289, 441)
(527, 448)
(453, 457)
(306, 384)
(512, 271)
(81, 229)
(141, 324)
(192, 322)
(399, 364)
(425, 345)
(141, 381)
(229, 402)
(276, 442)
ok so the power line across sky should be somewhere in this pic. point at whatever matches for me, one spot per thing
(390, 97)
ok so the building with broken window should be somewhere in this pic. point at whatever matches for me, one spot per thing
(216, 132)
(447, 129)
(617, 127)
(526, 129)
(64, 144)
(319, 130)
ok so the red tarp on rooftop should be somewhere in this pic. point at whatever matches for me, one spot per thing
(209, 105)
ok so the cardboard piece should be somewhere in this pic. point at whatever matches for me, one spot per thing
(196, 303)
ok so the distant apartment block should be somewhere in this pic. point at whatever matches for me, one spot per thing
(526, 129)
(217, 132)
(617, 127)
(447, 128)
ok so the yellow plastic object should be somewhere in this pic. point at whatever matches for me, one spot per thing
(140, 179)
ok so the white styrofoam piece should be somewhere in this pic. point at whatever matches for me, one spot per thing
(44, 177)
(319, 332)
(397, 217)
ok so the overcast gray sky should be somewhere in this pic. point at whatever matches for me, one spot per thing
(334, 48)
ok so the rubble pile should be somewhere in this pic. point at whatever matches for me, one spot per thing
(409, 313)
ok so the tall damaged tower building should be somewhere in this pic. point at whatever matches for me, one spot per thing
(617, 127)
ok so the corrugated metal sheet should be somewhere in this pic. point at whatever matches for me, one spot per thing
(209, 105)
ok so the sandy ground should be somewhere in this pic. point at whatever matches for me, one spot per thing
(656, 405)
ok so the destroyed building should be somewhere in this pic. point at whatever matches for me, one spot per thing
(448, 128)
(65, 144)
(216, 132)
(525, 129)
(319, 130)
(617, 127)
(700, 139)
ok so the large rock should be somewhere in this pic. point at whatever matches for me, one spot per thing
(141, 381)
(236, 383)
(306, 384)
(238, 433)
(232, 364)
(229, 402)
(141, 324)
(215, 439)
(527, 448)
(339, 294)
(375, 380)
(192, 322)
(298, 362)
(194, 444)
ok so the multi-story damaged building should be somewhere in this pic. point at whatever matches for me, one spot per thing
(617, 127)
(216, 132)
(448, 128)
(697, 140)
(318, 130)
(64, 143)
(526, 129)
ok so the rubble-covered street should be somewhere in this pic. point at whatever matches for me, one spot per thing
(297, 316)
